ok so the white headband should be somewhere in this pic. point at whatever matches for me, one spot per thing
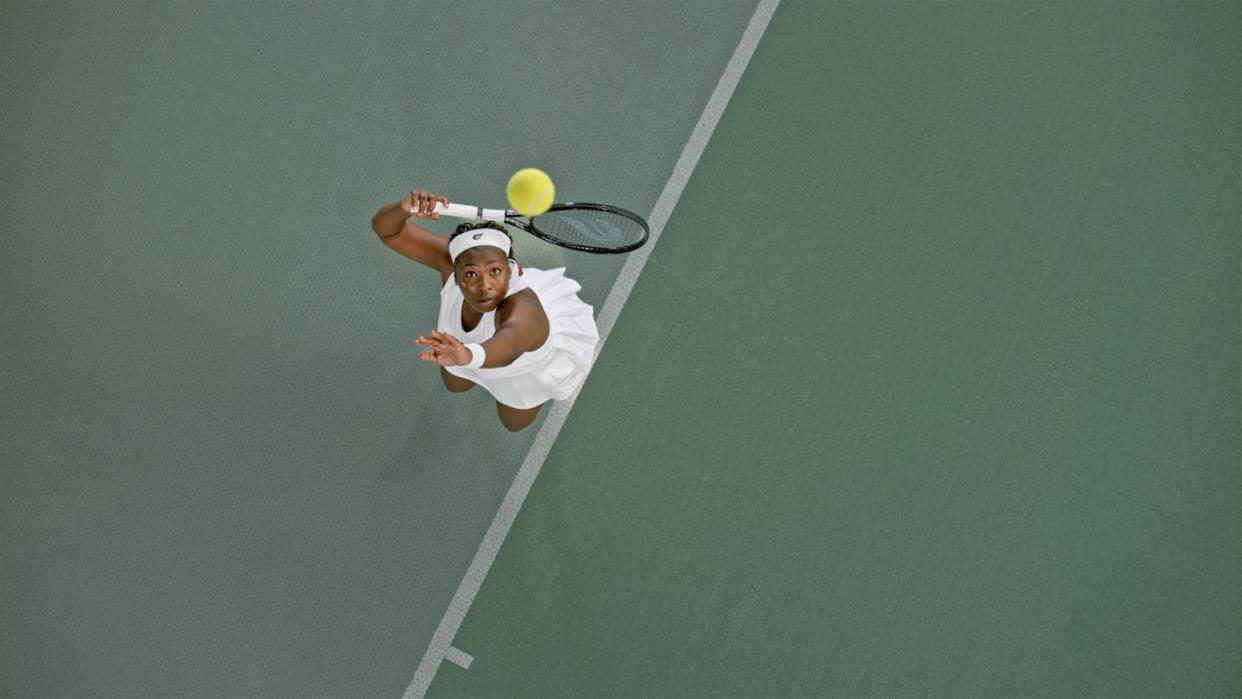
(475, 238)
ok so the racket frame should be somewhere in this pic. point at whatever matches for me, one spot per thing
(530, 225)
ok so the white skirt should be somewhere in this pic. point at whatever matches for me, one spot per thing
(552, 372)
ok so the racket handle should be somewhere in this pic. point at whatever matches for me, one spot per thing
(466, 211)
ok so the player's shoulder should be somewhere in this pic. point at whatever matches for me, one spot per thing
(524, 302)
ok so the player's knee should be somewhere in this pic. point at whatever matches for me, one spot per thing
(514, 422)
(514, 419)
(455, 384)
(514, 426)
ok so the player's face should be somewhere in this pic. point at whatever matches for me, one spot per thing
(483, 277)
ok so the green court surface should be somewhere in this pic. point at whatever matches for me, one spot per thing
(930, 386)
(946, 405)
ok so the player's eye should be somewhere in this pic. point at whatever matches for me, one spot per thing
(495, 271)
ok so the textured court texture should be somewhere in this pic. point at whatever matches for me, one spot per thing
(223, 473)
(931, 386)
(959, 418)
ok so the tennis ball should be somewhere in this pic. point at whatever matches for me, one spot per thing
(530, 191)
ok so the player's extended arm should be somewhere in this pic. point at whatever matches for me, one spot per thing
(395, 229)
(521, 323)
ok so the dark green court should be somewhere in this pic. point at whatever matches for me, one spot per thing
(931, 385)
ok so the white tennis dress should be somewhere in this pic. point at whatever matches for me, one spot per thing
(551, 372)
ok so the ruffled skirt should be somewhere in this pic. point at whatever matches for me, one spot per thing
(558, 368)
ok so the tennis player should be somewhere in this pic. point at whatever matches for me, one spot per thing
(520, 333)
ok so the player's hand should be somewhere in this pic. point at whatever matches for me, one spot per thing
(443, 349)
(422, 204)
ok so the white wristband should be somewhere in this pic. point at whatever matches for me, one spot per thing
(477, 356)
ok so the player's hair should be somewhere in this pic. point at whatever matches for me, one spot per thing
(466, 227)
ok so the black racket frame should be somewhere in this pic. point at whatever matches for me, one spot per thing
(531, 226)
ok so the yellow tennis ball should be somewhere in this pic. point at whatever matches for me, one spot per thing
(530, 191)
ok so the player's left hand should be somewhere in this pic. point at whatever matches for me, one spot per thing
(422, 204)
(443, 349)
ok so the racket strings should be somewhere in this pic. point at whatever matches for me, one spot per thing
(591, 228)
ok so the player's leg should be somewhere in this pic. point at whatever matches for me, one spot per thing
(516, 419)
(456, 384)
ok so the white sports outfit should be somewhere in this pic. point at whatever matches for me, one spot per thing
(551, 372)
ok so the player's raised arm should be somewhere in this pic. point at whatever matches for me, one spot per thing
(395, 229)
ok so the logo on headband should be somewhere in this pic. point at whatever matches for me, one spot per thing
(476, 236)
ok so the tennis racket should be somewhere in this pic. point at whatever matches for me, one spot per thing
(597, 228)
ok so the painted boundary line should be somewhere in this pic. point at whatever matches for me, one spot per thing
(441, 647)
(458, 657)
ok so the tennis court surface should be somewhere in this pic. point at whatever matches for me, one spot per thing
(930, 385)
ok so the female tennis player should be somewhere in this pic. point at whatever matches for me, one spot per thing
(520, 333)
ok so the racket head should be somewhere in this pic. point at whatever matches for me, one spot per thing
(596, 228)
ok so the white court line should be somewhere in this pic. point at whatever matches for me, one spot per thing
(458, 657)
(441, 647)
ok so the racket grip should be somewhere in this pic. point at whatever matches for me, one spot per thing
(466, 211)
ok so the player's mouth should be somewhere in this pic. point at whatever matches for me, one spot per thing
(485, 301)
